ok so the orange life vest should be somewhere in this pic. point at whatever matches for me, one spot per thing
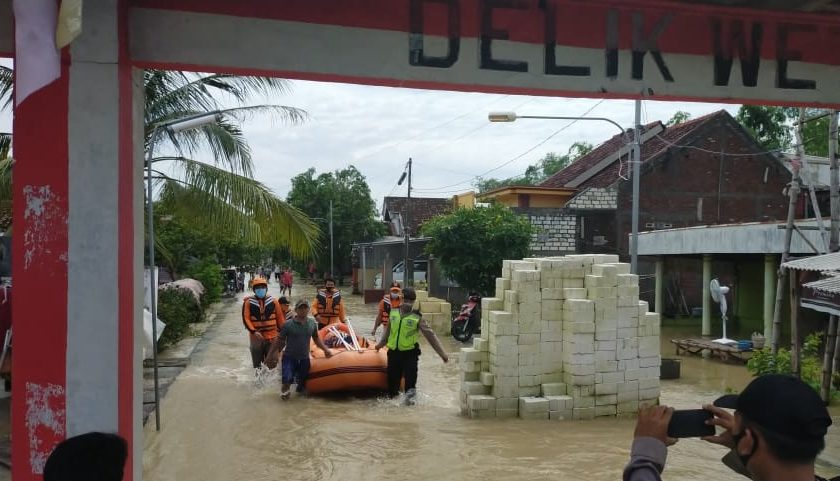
(263, 315)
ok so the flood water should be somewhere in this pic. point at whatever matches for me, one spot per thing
(218, 424)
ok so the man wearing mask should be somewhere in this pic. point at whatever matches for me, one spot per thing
(391, 300)
(327, 306)
(403, 348)
(263, 317)
(775, 434)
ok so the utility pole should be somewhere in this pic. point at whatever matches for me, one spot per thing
(832, 353)
(637, 160)
(332, 270)
(408, 270)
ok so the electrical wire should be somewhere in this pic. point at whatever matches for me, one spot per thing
(442, 189)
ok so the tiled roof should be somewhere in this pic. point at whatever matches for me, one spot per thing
(422, 209)
(651, 149)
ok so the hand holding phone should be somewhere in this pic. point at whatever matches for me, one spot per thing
(690, 423)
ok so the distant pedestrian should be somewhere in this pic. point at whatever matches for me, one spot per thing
(403, 349)
(88, 457)
(294, 343)
(312, 270)
(286, 279)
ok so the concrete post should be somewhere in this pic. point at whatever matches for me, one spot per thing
(707, 297)
(660, 281)
(78, 228)
(769, 293)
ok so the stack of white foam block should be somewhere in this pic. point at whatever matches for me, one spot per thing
(564, 338)
(437, 312)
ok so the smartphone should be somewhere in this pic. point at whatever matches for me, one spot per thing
(690, 423)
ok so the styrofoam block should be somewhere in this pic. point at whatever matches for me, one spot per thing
(628, 386)
(503, 284)
(633, 374)
(467, 376)
(648, 347)
(524, 276)
(552, 294)
(530, 327)
(571, 349)
(481, 402)
(531, 370)
(564, 415)
(469, 366)
(579, 369)
(560, 403)
(625, 333)
(575, 380)
(605, 334)
(486, 378)
(629, 302)
(648, 384)
(551, 310)
(647, 394)
(627, 279)
(522, 265)
(469, 354)
(574, 293)
(480, 344)
(628, 407)
(605, 346)
(591, 281)
(509, 329)
(529, 349)
(627, 396)
(655, 361)
(531, 404)
(473, 387)
(421, 296)
(505, 370)
(505, 390)
(507, 403)
(606, 366)
(501, 317)
(650, 373)
(582, 391)
(613, 377)
(606, 355)
(573, 283)
(492, 304)
(628, 364)
(552, 377)
(644, 308)
(627, 349)
(604, 399)
(583, 413)
(532, 391)
(507, 413)
(604, 411)
(429, 307)
(605, 258)
(595, 293)
(628, 291)
(485, 366)
(573, 273)
(606, 388)
(529, 380)
(553, 389)
(652, 318)
(551, 336)
(631, 322)
(528, 339)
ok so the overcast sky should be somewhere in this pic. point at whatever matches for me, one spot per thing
(446, 133)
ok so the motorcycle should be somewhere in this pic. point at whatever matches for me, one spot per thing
(467, 322)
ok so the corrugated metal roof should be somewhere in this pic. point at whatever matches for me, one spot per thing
(823, 263)
(829, 285)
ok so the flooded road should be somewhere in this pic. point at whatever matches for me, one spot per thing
(217, 424)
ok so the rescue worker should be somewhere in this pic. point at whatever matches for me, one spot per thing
(391, 300)
(285, 307)
(263, 317)
(403, 348)
(327, 307)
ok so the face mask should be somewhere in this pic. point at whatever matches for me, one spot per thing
(394, 296)
(260, 292)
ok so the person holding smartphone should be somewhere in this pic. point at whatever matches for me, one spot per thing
(776, 432)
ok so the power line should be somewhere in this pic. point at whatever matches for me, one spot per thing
(510, 161)
(483, 107)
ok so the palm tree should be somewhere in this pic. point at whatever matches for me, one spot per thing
(220, 195)
(6, 82)
(231, 202)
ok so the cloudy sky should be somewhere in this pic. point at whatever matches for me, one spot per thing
(446, 134)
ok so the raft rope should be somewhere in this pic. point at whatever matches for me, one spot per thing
(353, 335)
(340, 337)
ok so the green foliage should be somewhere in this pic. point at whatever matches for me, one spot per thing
(177, 308)
(472, 243)
(678, 118)
(542, 170)
(354, 211)
(764, 362)
(768, 125)
(209, 274)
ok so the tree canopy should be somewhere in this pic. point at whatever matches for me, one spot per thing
(355, 217)
(773, 128)
(472, 243)
(549, 165)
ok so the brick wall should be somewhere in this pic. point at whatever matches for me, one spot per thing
(556, 230)
(594, 198)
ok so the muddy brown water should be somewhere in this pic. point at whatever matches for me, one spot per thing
(218, 424)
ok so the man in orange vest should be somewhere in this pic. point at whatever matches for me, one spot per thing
(327, 306)
(391, 300)
(285, 307)
(263, 317)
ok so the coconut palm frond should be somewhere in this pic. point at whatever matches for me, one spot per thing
(5, 144)
(279, 222)
(6, 179)
(7, 83)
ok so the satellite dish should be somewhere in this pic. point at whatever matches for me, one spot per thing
(719, 296)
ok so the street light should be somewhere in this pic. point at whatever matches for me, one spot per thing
(634, 239)
(408, 267)
(171, 127)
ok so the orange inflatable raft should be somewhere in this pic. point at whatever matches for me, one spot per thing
(351, 368)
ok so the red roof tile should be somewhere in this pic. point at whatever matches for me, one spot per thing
(609, 175)
(422, 209)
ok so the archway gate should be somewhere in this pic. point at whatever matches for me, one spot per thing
(78, 132)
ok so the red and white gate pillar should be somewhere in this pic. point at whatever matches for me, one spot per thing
(77, 245)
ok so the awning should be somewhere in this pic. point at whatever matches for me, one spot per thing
(822, 295)
(822, 263)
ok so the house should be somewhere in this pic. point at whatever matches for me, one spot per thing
(421, 210)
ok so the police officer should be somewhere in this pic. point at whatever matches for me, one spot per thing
(403, 348)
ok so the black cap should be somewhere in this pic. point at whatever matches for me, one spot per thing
(782, 404)
(283, 300)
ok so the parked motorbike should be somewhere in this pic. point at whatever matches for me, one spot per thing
(468, 321)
